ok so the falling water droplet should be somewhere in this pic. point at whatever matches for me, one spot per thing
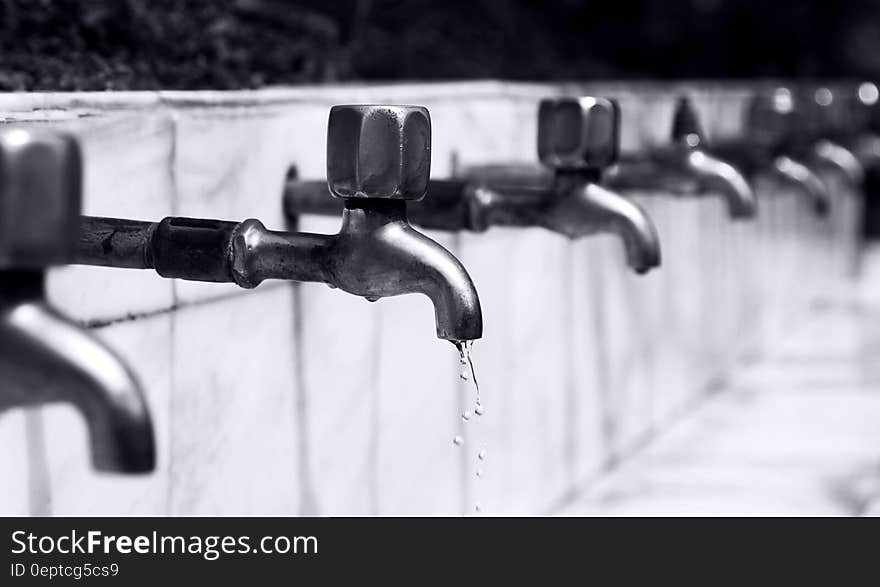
(465, 416)
(482, 455)
(466, 363)
(478, 508)
(479, 472)
(458, 441)
(479, 410)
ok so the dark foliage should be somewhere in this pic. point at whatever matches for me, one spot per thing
(186, 44)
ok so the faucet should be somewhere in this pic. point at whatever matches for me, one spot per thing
(378, 160)
(846, 120)
(830, 125)
(44, 356)
(684, 166)
(864, 124)
(577, 139)
(771, 145)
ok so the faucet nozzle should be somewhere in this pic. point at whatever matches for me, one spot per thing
(578, 138)
(44, 356)
(378, 157)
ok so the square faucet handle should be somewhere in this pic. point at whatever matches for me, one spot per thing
(686, 127)
(862, 107)
(835, 110)
(578, 133)
(40, 197)
(377, 151)
(772, 116)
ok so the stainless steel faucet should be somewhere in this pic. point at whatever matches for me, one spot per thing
(844, 119)
(378, 160)
(863, 102)
(44, 356)
(685, 167)
(577, 139)
(828, 133)
(772, 143)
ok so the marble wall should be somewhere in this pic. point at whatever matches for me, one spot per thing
(296, 399)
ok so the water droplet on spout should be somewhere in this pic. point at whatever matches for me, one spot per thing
(372, 298)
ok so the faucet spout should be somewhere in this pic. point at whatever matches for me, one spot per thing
(48, 358)
(376, 254)
(686, 170)
(716, 175)
(841, 159)
(590, 208)
(795, 172)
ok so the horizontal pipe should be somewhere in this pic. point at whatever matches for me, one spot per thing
(443, 207)
(184, 248)
(449, 205)
(114, 242)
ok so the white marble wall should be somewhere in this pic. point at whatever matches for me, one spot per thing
(297, 399)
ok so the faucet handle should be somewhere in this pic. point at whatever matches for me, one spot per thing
(823, 111)
(40, 197)
(772, 116)
(843, 109)
(376, 151)
(578, 133)
(686, 127)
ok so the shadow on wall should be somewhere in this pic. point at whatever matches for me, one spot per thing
(225, 44)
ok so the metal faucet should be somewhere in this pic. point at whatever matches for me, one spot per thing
(864, 123)
(44, 356)
(685, 167)
(577, 139)
(845, 121)
(830, 126)
(378, 159)
(771, 143)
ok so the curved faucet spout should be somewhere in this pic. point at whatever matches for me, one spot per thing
(591, 209)
(389, 257)
(47, 358)
(717, 175)
(376, 254)
(842, 159)
(867, 150)
(797, 173)
(686, 170)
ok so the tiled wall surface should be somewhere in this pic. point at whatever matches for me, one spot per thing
(294, 399)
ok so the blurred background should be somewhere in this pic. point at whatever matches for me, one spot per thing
(741, 378)
(224, 44)
(74, 45)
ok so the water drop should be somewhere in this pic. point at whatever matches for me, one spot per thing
(478, 508)
(465, 416)
(479, 472)
(482, 455)
(372, 298)
(458, 441)
(479, 410)
(467, 365)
